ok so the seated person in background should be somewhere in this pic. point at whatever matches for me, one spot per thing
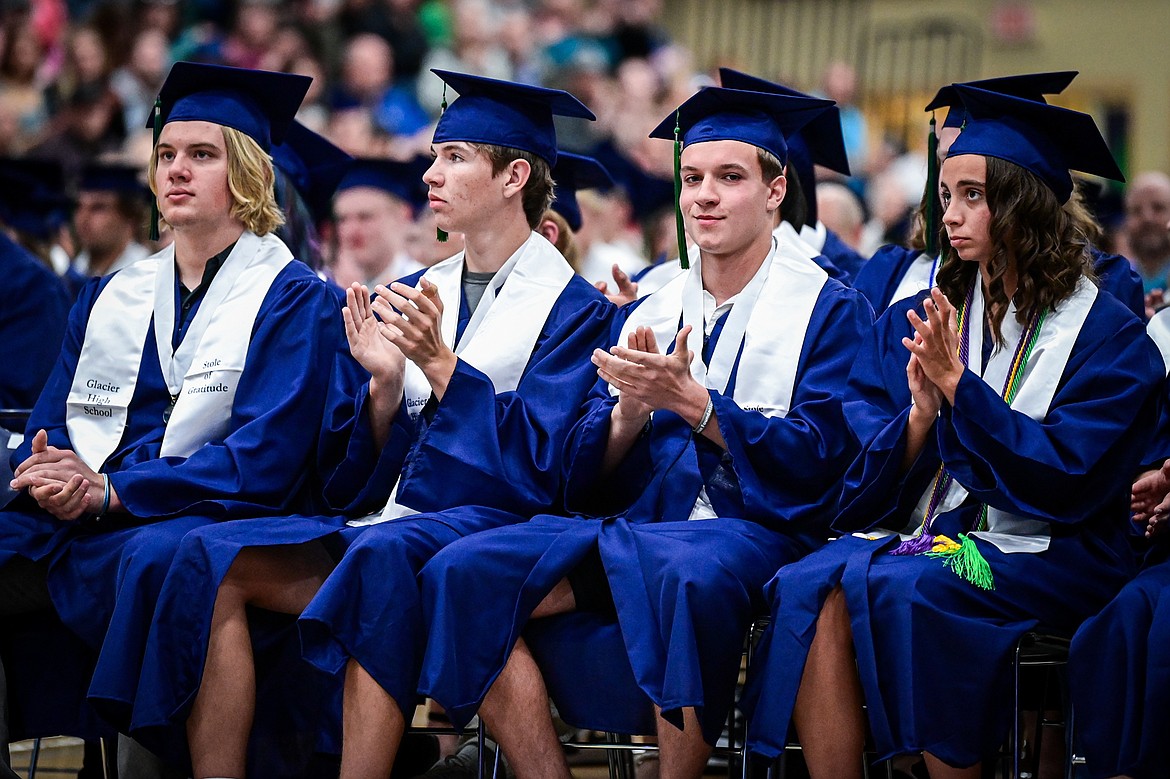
(476, 368)
(1118, 669)
(34, 306)
(109, 220)
(189, 388)
(735, 423)
(896, 272)
(998, 441)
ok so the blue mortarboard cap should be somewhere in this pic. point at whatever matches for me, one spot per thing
(1029, 86)
(820, 142)
(503, 113)
(259, 103)
(403, 180)
(32, 196)
(757, 118)
(571, 173)
(313, 165)
(109, 177)
(1045, 139)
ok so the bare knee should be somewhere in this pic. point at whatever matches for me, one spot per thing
(279, 578)
(560, 600)
(833, 622)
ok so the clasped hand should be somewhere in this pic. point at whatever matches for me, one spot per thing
(59, 481)
(650, 381)
(934, 368)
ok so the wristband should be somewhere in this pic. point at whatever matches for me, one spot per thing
(707, 412)
(105, 496)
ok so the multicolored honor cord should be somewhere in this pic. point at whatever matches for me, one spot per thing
(963, 556)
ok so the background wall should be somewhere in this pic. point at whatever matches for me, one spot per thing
(904, 49)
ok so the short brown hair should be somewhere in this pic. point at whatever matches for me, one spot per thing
(251, 180)
(538, 191)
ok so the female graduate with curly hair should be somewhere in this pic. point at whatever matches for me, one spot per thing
(1001, 415)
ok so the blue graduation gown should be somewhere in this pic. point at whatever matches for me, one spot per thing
(882, 273)
(924, 637)
(1119, 680)
(34, 307)
(500, 450)
(843, 256)
(684, 591)
(104, 579)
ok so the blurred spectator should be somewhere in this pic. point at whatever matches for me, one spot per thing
(474, 49)
(367, 81)
(395, 21)
(109, 219)
(252, 34)
(137, 82)
(840, 83)
(22, 99)
(841, 212)
(1147, 210)
(373, 210)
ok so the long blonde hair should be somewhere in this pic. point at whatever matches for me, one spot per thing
(251, 180)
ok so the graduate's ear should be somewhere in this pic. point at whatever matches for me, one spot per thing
(516, 176)
(777, 187)
(550, 230)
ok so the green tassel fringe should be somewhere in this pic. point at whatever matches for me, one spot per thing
(683, 261)
(968, 563)
(441, 235)
(154, 215)
(932, 204)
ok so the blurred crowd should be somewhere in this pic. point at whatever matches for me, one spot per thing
(78, 79)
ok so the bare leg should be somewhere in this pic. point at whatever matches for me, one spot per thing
(281, 579)
(828, 716)
(516, 712)
(516, 709)
(940, 770)
(682, 753)
(372, 726)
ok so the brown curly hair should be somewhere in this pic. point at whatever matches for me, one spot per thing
(1028, 223)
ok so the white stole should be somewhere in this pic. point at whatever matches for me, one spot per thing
(815, 235)
(919, 276)
(202, 374)
(1042, 374)
(504, 328)
(769, 319)
(1158, 329)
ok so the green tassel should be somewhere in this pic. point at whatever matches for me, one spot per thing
(968, 563)
(154, 215)
(683, 260)
(442, 235)
(932, 214)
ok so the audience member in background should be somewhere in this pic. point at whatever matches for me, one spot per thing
(841, 212)
(1147, 210)
(373, 209)
(109, 219)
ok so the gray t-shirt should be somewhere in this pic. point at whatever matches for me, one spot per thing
(474, 285)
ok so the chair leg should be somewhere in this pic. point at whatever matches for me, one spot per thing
(1016, 716)
(34, 758)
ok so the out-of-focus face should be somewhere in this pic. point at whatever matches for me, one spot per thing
(1147, 210)
(726, 203)
(99, 223)
(966, 215)
(89, 55)
(463, 194)
(191, 178)
(371, 224)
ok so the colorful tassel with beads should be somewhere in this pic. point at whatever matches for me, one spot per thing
(965, 559)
